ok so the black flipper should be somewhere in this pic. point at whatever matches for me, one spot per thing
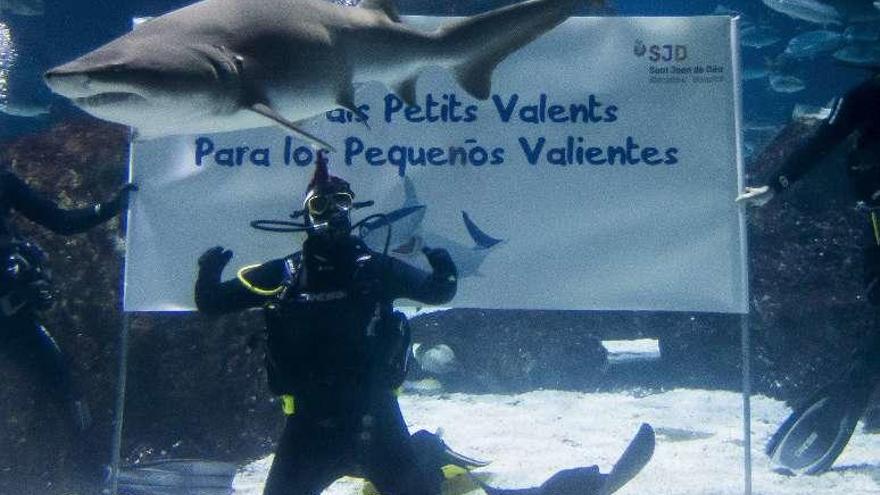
(632, 461)
(588, 480)
(814, 435)
(177, 477)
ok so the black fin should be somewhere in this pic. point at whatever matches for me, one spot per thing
(817, 431)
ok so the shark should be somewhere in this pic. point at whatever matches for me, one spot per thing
(222, 65)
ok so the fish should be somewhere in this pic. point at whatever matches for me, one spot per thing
(807, 10)
(786, 84)
(758, 36)
(25, 109)
(862, 32)
(813, 43)
(754, 73)
(859, 55)
(803, 111)
(23, 7)
(223, 65)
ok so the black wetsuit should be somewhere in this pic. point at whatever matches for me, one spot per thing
(856, 113)
(329, 347)
(22, 337)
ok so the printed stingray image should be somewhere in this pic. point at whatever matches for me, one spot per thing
(407, 237)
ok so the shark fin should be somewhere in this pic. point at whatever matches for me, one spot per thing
(482, 239)
(271, 114)
(476, 77)
(406, 89)
(484, 40)
(385, 6)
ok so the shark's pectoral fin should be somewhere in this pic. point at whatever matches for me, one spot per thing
(387, 7)
(406, 90)
(271, 114)
(475, 76)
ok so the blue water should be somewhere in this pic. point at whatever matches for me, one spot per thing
(70, 28)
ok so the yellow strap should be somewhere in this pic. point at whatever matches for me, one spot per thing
(288, 405)
(253, 288)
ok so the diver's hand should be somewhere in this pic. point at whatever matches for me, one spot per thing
(118, 203)
(214, 259)
(756, 196)
(440, 260)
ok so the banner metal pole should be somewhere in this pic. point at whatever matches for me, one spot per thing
(119, 412)
(747, 403)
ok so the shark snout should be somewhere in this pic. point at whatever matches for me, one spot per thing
(72, 84)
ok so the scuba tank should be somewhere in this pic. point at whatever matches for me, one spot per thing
(25, 279)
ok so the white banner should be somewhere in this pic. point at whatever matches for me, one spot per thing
(606, 162)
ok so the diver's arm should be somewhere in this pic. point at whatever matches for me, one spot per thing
(37, 208)
(215, 297)
(849, 114)
(438, 287)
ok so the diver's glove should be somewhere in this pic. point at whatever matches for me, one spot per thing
(118, 203)
(212, 261)
(441, 262)
(756, 196)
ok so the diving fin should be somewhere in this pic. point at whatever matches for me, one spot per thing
(433, 453)
(271, 114)
(588, 480)
(817, 431)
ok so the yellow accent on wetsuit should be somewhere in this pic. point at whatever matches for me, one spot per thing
(253, 288)
(288, 405)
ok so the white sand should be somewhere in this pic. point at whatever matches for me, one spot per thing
(699, 441)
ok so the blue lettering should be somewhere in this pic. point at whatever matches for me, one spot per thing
(505, 111)
(204, 147)
(532, 153)
(353, 147)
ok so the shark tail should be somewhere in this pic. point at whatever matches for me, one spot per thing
(476, 45)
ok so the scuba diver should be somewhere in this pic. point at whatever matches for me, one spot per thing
(26, 286)
(337, 351)
(812, 438)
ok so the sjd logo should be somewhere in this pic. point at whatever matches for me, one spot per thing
(640, 48)
(661, 53)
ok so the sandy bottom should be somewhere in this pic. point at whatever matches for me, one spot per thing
(699, 441)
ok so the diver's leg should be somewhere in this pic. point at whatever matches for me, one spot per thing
(37, 350)
(392, 463)
(308, 459)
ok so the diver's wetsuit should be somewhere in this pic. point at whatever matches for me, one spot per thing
(329, 348)
(22, 337)
(857, 112)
